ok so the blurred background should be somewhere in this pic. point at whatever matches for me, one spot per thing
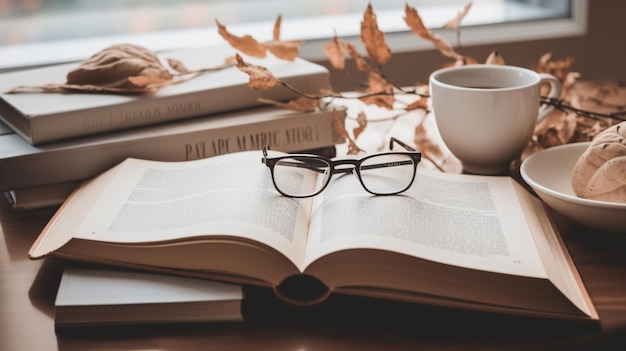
(40, 32)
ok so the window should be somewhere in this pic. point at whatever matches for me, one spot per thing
(41, 32)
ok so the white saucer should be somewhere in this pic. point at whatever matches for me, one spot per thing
(549, 173)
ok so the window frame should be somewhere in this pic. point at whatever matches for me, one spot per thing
(30, 54)
(509, 32)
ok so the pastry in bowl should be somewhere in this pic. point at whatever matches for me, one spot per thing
(600, 172)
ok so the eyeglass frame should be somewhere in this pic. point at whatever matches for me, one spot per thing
(415, 156)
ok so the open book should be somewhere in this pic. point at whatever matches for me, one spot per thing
(453, 240)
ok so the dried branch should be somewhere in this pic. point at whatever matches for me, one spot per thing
(561, 105)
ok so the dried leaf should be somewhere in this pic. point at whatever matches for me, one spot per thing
(384, 101)
(302, 103)
(47, 88)
(495, 58)
(360, 62)
(430, 151)
(414, 21)
(148, 80)
(122, 68)
(64, 88)
(373, 38)
(421, 103)
(557, 128)
(277, 24)
(286, 50)
(231, 60)
(462, 61)
(557, 68)
(111, 68)
(543, 60)
(380, 91)
(568, 128)
(549, 138)
(260, 77)
(570, 80)
(246, 44)
(361, 119)
(468, 60)
(335, 50)
(177, 65)
(456, 22)
(587, 129)
(340, 127)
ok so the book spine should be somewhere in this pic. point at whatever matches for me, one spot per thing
(154, 110)
(24, 199)
(32, 166)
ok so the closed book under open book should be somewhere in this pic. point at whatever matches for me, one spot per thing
(95, 296)
(452, 240)
(40, 196)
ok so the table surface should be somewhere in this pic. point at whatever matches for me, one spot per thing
(28, 289)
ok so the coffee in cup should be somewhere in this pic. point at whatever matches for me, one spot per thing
(486, 114)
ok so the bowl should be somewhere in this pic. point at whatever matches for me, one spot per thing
(549, 174)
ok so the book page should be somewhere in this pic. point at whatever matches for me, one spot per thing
(559, 265)
(224, 195)
(470, 221)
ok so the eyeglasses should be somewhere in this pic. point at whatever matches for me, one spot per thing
(386, 173)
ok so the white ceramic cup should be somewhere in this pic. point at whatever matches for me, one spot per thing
(486, 114)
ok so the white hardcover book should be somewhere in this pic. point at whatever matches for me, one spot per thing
(40, 196)
(4, 129)
(44, 117)
(24, 165)
(89, 296)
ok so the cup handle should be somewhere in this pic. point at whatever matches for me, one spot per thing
(555, 93)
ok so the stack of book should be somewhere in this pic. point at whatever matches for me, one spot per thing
(51, 142)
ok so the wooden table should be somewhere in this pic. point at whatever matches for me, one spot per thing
(28, 288)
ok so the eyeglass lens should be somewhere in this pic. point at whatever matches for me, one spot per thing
(291, 173)
(387, 174)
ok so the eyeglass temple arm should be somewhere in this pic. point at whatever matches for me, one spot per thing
(304, 165)
(387, 164)
(393, 140)
(267, 147)
(293, 164)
